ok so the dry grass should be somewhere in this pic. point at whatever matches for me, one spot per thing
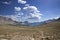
(51, 30)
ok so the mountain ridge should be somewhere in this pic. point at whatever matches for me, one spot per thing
(6, 20)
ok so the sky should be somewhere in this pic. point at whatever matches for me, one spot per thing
(30, 10)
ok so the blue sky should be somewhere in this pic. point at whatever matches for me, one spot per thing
(30, 10)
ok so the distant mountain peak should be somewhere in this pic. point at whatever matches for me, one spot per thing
(6, 20)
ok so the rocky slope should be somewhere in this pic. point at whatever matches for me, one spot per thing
(6, 20)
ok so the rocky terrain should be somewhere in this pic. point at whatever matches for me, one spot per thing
(48, 31)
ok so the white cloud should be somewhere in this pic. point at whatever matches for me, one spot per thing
(15, 17)
(22, 1)
(26, 4)
(37, 15)
(30, 8)
(17, 8)
(28, 13)
(6, 2)
(33, 11)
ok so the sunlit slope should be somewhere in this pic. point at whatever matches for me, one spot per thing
(11, 29)
(53, 26)
(47, 30)
(48, 27)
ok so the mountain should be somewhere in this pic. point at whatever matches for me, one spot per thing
(26, 23)
(44, 22)
(54, 26)
(6, 20)
(49, 29)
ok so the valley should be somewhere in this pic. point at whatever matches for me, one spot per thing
(48, 31)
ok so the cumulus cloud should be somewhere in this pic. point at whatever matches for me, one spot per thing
(17, 8)
(28, 13)
(6, 2)
(37, 15)
(33, 12)
(30, 7)
(22, 1)
(15, 17)
(26, 4)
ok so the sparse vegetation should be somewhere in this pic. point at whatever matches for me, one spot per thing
(49, 31)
